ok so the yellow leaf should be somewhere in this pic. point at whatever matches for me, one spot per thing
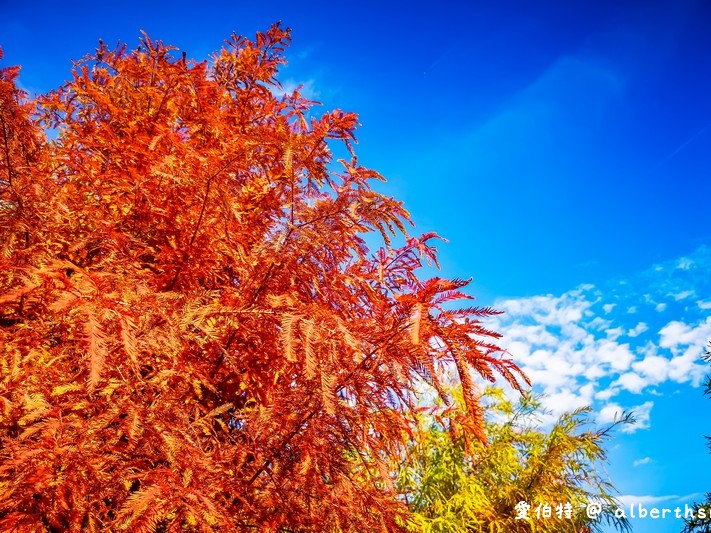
(59, 390)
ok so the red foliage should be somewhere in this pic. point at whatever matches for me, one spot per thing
(194, 334)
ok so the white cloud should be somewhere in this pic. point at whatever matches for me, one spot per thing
(533, 334)
(614, 333)
(548, 310)
(631, 382)
(584, 347)
(594, 372)
(549, 381)
(703, 305)
(640, 328)
(606, 394)
(610, 413)
(618, 356)
(642, 418)
(676, 334)
(653, 367)
(629, 499)
(519, 351)
(598, 323)
(682, 295)
(613, 412)
(685, 263)
(685, 367)
(587, 391)
(564, 401)
(643, 461)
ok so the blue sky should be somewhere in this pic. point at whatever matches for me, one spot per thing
(563, 149)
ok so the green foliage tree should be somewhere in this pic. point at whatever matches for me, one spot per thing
(455, 486)
(702, 524)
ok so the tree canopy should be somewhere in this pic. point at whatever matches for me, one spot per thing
(526, 477)
(195, 335)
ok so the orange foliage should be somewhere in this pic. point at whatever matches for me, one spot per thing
(194, 334)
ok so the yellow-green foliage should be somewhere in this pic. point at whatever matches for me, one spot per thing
(455, 484)
(703, 524)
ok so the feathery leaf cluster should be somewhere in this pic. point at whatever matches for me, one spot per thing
(454, 489)
(194, 334)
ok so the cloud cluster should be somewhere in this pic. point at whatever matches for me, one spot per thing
(613, 346)
(647, 500)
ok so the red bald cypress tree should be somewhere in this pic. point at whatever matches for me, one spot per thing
(194, 335)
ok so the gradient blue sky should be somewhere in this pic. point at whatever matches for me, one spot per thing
(561, 147)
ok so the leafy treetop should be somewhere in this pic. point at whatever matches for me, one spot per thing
(553, 472)
(194, 334)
